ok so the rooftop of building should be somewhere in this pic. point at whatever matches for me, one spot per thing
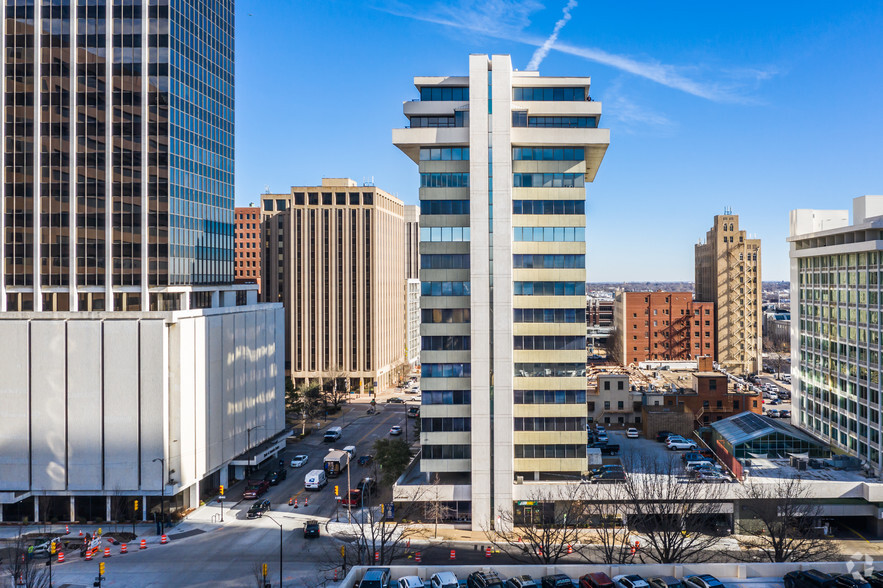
(672, 377)
(746, 426)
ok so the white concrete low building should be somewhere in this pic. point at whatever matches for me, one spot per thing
(102, 408)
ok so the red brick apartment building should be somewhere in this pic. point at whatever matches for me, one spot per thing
(661, 326)
(247, 244)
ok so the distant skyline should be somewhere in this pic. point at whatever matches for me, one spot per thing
(763, 108)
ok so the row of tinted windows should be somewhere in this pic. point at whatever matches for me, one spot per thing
(445, 261)
(446, 424)
(549, 315)
(547, 396)
(550, 452)
(446, 397)
(444, 207)
(550, 370)
(548, 206)
(457, 93)
(557, 261)
(549, 94)
(548, 154)
(446, 452)
(450, 370)
(549, 342)
(447, 343)
(444, 288)
(550, 423)
(560, 234)
(444, 154)
(549, 288)
(434, 122)
(446, 315)
(446, 180)
(556, 180)
(440, 234)
(562, 122)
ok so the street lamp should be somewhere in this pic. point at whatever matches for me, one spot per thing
(162, 488)
(280, 546)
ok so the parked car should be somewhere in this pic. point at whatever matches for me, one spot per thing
(255, 489)
(632, 433)
(662, 436)
(556, 581)
(696, 461)
(665, 582)
(606, 448)
(311, 529)
(712, 477)
(523, 581)
(258, 509)
(630, 581)
(784, 414)
(705, 466)
(809, 579)
(851, 581)
(395, 431)
(365, 460)
(702, 581)
(596, 580)
(444, 580)
(609, 477)
(410, 582)
(772, 413)
(679, 443)
(299, 460)
(276, 476)
(376, 578)
(605, 468)
(483, 580)
(413, 412)
(395, 400)
(875, 579)
(600, 429)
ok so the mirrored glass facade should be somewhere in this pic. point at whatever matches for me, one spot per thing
(117, 159)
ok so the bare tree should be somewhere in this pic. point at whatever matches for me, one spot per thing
(23, 568)
(380, 535)
(677, 518)
(308, 396)
(607, 515)
(779, 522)
(334, 388)
(779, 350)
(542, 533)
(436, 509)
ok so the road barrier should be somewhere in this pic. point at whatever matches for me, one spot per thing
(163, 540)
(487, 552)
(88, 555)
(107, 552)
(124, 548)
(67, 529)
(453, 554)
(569, 549)
(144, 544)
(376, 556)
(60, 557)
(417, 557)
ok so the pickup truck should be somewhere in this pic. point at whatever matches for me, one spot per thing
(352, 498)
(335, 462)
(606, 448)
(255, 489)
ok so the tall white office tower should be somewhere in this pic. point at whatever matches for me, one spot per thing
(503, 157)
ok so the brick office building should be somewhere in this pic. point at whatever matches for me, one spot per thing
(247, 243)
(661, 326)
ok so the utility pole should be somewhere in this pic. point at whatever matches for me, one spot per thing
(349, 504)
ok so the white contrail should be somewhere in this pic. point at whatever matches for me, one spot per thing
(540, 54)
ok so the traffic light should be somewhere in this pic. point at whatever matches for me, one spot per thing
(343, 551)
(337, 490)
(264, 569)
(52, 548)
(101, 568)
(222, 490)
(136, 506)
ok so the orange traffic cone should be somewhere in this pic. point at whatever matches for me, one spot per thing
(88, 555)
(107, 552)
(163, 540)
(60, 557)
(291, 501)
(144, 544)
(295, 503)
(306, 501)
(124, 548)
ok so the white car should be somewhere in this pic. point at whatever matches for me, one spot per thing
(410, 582)
(299, 460)
(676, 444)
(630, 581)
(632, 433)
(444, 580)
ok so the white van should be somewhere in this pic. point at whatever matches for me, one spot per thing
(315, 480)
(333, 434)
(351, 449)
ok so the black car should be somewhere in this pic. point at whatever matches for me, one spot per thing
(875, 579)
(484, 580)
(258, 509)
(275, 477)
(851, 581)
(367, 486)
(557, 581)
(395, 400)
(609, 477)
(809, 579)
(661, 436)
(311, 528)
(365, 460)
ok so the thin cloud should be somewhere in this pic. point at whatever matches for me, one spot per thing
(507, 20)
(540, 54)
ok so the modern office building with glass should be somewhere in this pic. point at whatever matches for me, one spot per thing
(503, 158)
(125, 339)
(836, 276)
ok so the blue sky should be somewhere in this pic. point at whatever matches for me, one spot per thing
(759, 106)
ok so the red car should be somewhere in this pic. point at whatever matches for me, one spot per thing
(352, 498)
(255, 489)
